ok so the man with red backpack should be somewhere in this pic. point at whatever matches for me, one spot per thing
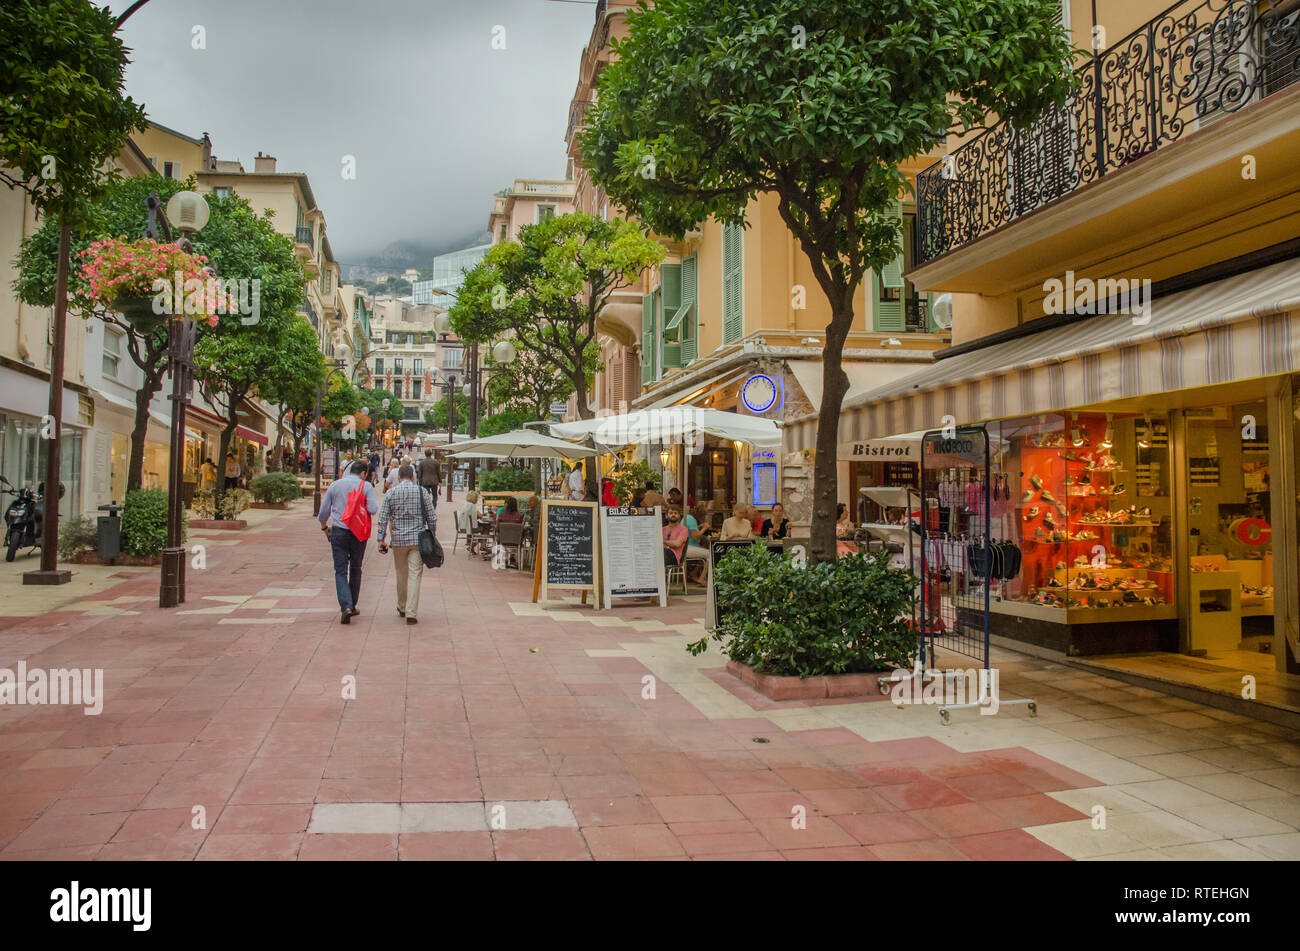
(345, 512)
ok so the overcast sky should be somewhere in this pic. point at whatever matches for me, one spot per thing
(437, 119)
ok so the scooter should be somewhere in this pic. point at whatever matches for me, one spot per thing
(24, 518)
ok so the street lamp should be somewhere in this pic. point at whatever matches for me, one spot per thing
(188, 211)
(451, 429)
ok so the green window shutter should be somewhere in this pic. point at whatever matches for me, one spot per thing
(930, 325)
(892, 275)
(670, 301)
(733, 297)
(690, 331)
(649, 343)
(887, 314)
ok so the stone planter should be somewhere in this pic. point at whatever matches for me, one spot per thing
(269, 505)
(812, 688)
(230, 524)
(92, 558)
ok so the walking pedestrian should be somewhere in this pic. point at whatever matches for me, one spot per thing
(374, 467)
(406, 509)
(577, 489)
(349, 549)
(430, 474)
(232, 471)
(207, 475)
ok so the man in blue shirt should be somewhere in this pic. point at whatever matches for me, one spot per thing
(348, 549)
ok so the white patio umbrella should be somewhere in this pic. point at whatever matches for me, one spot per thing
(523, 444)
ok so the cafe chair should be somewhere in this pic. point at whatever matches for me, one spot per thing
(510, 536)
(677, 571)
(460, 532)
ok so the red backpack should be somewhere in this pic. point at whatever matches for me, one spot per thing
(355, 515)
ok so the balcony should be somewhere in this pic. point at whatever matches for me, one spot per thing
(303, 235)
(310, 311)
(1197, 63)
(577, 117)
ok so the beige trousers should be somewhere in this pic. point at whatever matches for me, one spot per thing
(410, 569)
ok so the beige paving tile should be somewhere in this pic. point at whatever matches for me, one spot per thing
(1116, 801)
(1078, 839)
(1233, 787)
(1235, 759)
(442, 817)
(1170, 794)
(1157, 829)
(1185, 719)
(534, 814)
(1126, 746)
(371, 817)
(1214, 852)
(1230, 820)
(1172, 764)
(1286, 778)
(1285, 809)
(1143, 855)
(1284, 847)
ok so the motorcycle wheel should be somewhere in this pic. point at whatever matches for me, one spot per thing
(12, 550)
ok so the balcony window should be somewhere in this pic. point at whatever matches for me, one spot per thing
(415, 389)
(379, 366)
(112, 353)
(417, 365)
(397, 365)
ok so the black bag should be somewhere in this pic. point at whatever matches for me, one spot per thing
(430, 549)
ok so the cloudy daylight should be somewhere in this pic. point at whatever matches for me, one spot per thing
(551, 430)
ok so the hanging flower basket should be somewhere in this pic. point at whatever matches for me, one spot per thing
(138, 278)
(138, 311)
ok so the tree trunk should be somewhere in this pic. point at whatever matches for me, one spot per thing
(140, 430)
(580, 396)
(275, 458)
(835, 384)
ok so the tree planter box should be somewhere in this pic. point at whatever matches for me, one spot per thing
(92, 558)
(231, 524)
(270, 505)
(812, 688)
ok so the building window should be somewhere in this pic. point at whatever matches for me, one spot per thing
(504, 235)
(171, 170)
(545, 213)
(112, 353)
(417, 365)
(451, 357)
(222, 191)
(325, 281)
(379, 366)
(410, 340)
(415, 388)
(397, 365)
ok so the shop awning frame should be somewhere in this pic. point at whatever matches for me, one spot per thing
(1240, 328)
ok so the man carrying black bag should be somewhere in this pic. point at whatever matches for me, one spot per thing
(430, 475)
(407, 509)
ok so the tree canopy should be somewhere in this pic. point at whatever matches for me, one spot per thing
(63, 115)
(708, 103)
(549, 287)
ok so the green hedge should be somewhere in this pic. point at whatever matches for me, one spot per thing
(144, 523)
(505, 479)
(77, 535)
(848, 616)
(276, 487)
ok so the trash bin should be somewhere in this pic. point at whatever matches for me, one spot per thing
(110, 532)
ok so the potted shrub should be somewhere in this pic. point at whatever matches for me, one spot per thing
(226, 515)
(833, 626)
(78, 540)
(274, 490)
(144, 526)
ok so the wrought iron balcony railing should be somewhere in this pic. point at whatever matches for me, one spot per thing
(1197, 62)
(304, 236)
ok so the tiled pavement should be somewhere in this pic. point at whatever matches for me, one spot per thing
(500, 729)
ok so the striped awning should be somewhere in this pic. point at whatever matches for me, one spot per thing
(1239, 328)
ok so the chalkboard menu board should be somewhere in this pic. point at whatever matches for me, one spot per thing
(719, 550)
(568, 545)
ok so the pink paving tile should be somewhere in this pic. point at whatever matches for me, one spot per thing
(770, 805)
(723, 843)
(148, 823)
(936, 850)
(1051, 779)
(152, 849)
(623, 811)
(632, 842)
(57, 832)
(381, 789)
(522, 788)
(1013, 845)
(989, 786)
(769, 855)
(836, 802)
(833, 736)
(813, 833)
(263, 819)
(1036, 810)
(259, 792)
(348, 847)
(922, 794)
(915, 748)
(546, 845)
(813, 777)
(844, 853)
(695, 808)
(883, 827)
(75, 853)
(886, 774)
(445, 847)
(279, 847)
(680, 783)
(969, 818)
(724, 827)
(748, 780)
(29, 805)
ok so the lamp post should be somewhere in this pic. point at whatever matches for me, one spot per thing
(336, 366)
(189, 212)
(451, 429)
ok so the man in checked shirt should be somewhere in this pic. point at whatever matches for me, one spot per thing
(402, 511)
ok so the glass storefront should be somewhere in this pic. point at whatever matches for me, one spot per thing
(153, 474)
(23, 455)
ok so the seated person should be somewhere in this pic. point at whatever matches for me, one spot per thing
(510, 511)
(778, 526)
(652, 496)
(696, 548)
(676, 538)
(844, 532)
(675, 497)
(755, 520)
(738, 527)
(467, 517)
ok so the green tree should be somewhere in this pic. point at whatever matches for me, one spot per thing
(64, 117)
(240, 356)
(708, 103)
(504, 421)
(292, 388)
(531, 383)
(373, 401)
(549, 287)
(435, 416)
(339, 408)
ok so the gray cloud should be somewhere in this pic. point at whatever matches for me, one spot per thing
(436, 118)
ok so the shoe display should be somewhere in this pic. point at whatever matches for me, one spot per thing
(1036, 482)
(1047, 497)
(1026, 498)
